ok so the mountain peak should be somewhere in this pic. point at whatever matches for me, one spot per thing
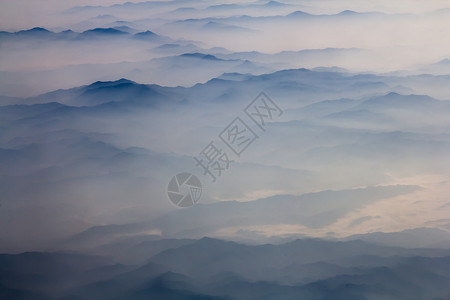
(35, 30)
(111, 83)
(40, 29)
(213, 242)
(393, 94)
(298, 13)
(274, 3)
(348, 12)
(150, 35)
(398, 100)
(200, 56)
(146, 33)
(445, 61)
(103, 31)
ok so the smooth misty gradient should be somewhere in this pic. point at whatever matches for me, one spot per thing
(343, 196)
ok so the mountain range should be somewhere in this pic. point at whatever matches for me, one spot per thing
(306, 268)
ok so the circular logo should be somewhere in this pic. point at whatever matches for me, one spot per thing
(184, 189)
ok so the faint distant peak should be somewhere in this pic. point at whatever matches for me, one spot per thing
(348, 12)
(397, 99)
(147, 33)
(400, 96)
(298, 13)
(104, 17)
(151, 36)
(274, 4)
(213, 242)
(331, 69)
(77, 9)
(227, 5)
(201, 56)
(445, 61)
(355, 13)
(445, 10)
(293, 71)
(220, 26)
(125, 28)
(234, 76)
